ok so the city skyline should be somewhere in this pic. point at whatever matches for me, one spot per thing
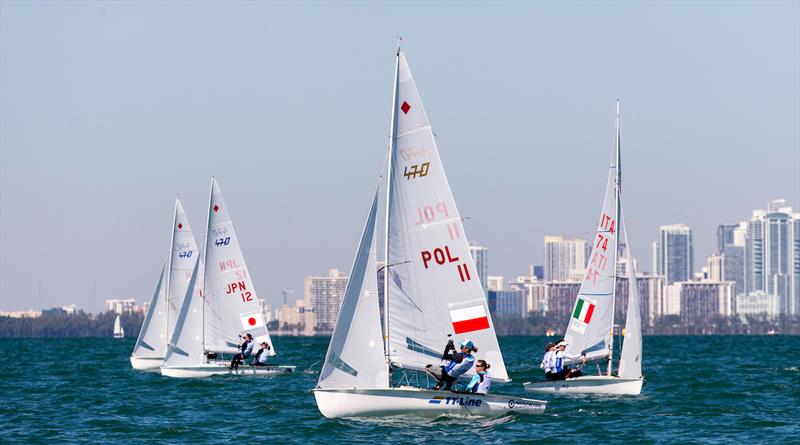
(101, 124)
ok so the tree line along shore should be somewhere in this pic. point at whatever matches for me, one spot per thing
(82, 324)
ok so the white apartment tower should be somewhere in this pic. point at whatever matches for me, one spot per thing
(565, 258)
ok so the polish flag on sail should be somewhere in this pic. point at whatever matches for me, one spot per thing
(252, 321)
(469, 319)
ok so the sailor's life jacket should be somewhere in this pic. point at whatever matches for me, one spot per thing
(480, 383)
(459, 364)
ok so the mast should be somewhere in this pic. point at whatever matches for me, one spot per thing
(617, 187)
(205, 269)
(392, 143)
(169, 270)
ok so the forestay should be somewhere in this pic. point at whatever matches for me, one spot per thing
(589, 328)
(355, 357)
(186, 344)
(433, 286)
(183, 256)
(152, 339)
(233, 307)
(630, 363)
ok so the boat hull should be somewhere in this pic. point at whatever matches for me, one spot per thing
(147, 363)
(212, 369)
(601, 384)
(337, 403)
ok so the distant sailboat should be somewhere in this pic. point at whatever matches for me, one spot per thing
(159, 322)
(589, 330)
(431, 287)
(220, 306)
(119, 332)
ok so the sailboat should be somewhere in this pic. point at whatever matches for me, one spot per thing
(159, 322)
(432, 290)
(220, 306)
(590, 331)
(119, 331)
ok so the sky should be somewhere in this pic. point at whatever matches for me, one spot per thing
(108, 110)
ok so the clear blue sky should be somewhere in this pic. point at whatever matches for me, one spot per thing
(107, 110)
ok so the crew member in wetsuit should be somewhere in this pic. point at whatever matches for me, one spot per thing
(245, 348)
(458, 364)
(480, 383)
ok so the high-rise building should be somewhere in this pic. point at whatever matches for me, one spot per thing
(480, 256)
(674, 253)
(716, 268)
(538, 272)
(700, 302)
(772, 264)
(733, 267)
(494, 282)
(725, 235)
(565, 258)
(322, 298)
(121, 306)
(508, 303)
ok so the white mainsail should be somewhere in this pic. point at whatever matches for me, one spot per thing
(186, 344)
(589, 328)
(152, 341)
(183, 256)
(630, 362)
(355, 357)
(118, 331)
(433, 286)
(232, 305)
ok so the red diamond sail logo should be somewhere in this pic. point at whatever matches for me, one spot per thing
(405, 107)
(216, 207)
(180, 226)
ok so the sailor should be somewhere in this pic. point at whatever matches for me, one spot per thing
(558, 369)
(260, 359)
(480, 383)
(458, 363)
(245, 348)
(547, 360)
(261, 356)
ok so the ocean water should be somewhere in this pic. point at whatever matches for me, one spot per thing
(698, 390)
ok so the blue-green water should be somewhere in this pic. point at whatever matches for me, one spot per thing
(699, 389)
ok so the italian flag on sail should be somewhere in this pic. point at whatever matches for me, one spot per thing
(583, 311)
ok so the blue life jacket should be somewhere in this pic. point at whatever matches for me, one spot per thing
(456, 369)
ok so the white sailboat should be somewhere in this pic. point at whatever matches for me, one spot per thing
(590, 330)
(220, 305)
(431, 287)
(119, 331)
(162, 315)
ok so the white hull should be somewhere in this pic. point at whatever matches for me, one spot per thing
(336, 403)
(600, 384)
(211, 369)
(145, 363)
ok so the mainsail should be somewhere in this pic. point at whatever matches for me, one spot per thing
(589, 329)
(232, 305)
(183, 256)
(152, 341)
(355, 357)
(630, 363)
(433, 286)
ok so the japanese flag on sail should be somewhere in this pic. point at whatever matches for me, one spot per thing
(469, 319)
(252, 321)
(583, 311)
